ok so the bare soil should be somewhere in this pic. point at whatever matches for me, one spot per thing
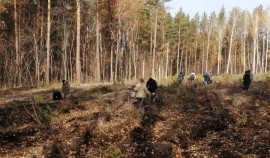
(188, 120)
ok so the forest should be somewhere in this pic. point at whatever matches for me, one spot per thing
(83, 41)
(101, 47)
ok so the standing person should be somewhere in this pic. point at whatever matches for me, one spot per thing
(206, 78)
(141, 92)
(151, 85)
(181, 76)
(192, 76)
(246, 79)
(65, 88)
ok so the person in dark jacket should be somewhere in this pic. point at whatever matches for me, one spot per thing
(181, 76)
(206, 78)
(151, 85)
(246, 79)
(65, 88)
(57, 95)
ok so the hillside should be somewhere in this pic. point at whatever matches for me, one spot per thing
(190, 120)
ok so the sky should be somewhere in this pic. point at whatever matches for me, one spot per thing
(191, 7)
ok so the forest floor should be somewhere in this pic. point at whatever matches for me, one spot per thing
(189, 120)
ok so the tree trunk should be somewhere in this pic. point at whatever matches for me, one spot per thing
(167, 60)
(17, 58)
(111, 67)
(181, 58)
(255, 25)
(267, 44)
(244, 53)
(219, 54)
(36, 60)
(97, 66)
(155, 43)
(78, 39)
(195, 55)
(263, 55)
(65, 42)
(48, 42)
(208, 46)
(229, 53)
(178, 50)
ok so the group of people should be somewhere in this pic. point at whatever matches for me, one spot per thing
(207, 77)
(145, 92)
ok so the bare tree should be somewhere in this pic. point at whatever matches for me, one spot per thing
(48, 42)
(178, 49)
(155, 40)
(245, 32)
(233, 26)
(209, 31)
(78, 37)
(220, 26)
(255, 30)
(267, 39)
(17, 51)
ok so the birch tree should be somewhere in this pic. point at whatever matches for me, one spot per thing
(220, 26)
(78, 62)
(233, 23)
(209, 27)
(267, 38)
(48, 42)
(245, 33)
(17, 59)
(255, 23)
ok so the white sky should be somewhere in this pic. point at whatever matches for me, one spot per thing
(191, 7)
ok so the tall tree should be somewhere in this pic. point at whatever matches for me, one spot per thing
(78, 42)
(267, 38)
(209, 27)
(220, 26)
(48, 42)
(17, 51)
(245, 33)
(233, 23)
(255, 23)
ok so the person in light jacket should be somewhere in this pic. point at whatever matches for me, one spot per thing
(141, 92)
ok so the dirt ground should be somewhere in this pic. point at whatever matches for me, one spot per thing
(187, 120)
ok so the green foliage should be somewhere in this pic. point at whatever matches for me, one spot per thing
(99, 89)
(42, 84)
(107, 109)
(171, 80)
(188, 97)
(47, 114)
(262, 103)
(199, 78)
(119, 80)
(228, 78)
(39, 99)
(262, 76)
(14, 126)
(114, 153)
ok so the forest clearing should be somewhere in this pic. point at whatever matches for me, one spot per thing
(192, 120)
(87, 43)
